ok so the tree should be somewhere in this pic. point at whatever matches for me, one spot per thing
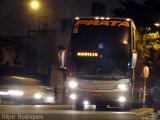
(144, 15)
(148, 46)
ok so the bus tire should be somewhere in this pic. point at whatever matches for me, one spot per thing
(127, 107)
(101, 107)
(79, 106)
(137, 105)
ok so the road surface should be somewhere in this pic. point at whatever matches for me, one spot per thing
(51, 112)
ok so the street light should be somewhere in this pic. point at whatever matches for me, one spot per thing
(35, 4)
(157, 24)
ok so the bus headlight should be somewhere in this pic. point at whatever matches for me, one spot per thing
(123, 87)
(73, 84)
(121, 99)
(15, 92)
(37, 96)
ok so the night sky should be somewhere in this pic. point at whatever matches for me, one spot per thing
(21, 18)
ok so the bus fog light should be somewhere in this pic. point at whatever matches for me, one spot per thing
(121, 99)
(86, 102)
(73, 96)
(49, 99)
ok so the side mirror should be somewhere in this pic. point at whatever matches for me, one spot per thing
(62, 59)
(134, 59)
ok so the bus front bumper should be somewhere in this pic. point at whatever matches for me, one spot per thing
(104, 96)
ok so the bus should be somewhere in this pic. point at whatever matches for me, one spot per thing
(100, 62)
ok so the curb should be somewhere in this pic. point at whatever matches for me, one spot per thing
(142, 111)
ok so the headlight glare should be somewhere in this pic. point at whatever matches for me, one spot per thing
(15, 92)
(3, 93)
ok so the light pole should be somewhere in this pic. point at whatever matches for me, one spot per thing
(145, 74)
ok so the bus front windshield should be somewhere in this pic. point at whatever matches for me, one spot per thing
(109, 44)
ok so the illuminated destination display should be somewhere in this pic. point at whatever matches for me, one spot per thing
(87, 54)
(103, 22)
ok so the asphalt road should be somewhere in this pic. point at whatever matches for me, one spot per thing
(51, 112)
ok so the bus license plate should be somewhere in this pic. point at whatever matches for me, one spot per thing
(96, 94)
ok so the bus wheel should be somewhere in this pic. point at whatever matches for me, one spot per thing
(127, 107)
(137, 105)
(79, 106)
